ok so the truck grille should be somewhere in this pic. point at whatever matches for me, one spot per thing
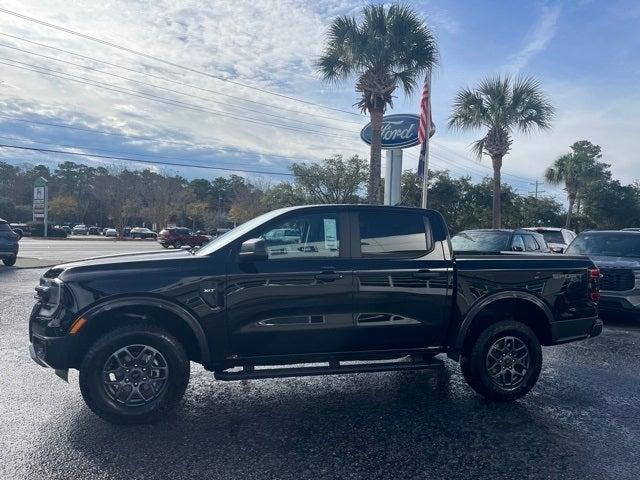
(616, 279)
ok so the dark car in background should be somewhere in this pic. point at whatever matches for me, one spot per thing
(177, 237)
(617, 255)
(558, 239)
(499, 240)
(93, 231)
(140, 232)
(21, 229)
(8, 244)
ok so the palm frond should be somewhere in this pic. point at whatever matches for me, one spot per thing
(468, 110)
(478, 148)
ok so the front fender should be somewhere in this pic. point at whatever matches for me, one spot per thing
(156, 302)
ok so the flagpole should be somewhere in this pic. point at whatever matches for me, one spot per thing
(425, 151)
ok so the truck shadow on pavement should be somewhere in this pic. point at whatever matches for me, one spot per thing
(385, 425)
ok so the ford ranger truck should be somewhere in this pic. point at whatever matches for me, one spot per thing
(375, 284)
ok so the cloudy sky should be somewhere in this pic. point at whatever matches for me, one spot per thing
(171, 80)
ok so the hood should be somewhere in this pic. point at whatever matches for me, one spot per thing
(141, 258)
(632, 263)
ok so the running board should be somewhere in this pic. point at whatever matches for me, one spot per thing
(334, 368)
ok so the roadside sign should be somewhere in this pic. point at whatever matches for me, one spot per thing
(40, 194)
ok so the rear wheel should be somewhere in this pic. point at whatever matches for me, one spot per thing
(134, 374)
(504, 362)
(164, 245)
(10, 261)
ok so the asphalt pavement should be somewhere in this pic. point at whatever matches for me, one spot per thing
(581, 421)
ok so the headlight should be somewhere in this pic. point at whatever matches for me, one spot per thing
(49, 293)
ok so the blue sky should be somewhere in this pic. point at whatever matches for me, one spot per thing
(584, 53)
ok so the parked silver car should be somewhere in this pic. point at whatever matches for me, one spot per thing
(558, 239)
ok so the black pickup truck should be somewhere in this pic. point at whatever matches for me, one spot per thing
(349, 289)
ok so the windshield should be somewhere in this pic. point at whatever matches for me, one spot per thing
(606, 244)
(237, 232)
(481, 241)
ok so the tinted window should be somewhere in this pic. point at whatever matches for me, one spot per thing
(392, 234)
(530, 243)
(518, 243)
(306, 236)
(606, 244)
(481, 241)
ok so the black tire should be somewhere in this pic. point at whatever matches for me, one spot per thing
(164, 245)
(169, 394)
(475, 366)
(177, 244)
(10, 261)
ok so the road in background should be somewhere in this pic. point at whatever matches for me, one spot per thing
(581, 421)
(40, 252)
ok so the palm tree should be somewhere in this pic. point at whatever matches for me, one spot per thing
(576, 170)
(391, 46)
(502, 106)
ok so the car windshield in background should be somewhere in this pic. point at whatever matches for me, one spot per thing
(609, 244)
(552, 236)
(481, 241)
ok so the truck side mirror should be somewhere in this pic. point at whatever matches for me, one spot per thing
(253, 250)
(517, 248)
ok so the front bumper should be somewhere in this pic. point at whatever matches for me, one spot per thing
(53, 352)
(565, 331)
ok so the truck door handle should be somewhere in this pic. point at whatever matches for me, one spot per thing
(329, 275)
(425, 274)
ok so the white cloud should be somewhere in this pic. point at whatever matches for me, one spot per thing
(536, 40)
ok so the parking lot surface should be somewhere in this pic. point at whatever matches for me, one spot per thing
(40, 253)
(581, 421)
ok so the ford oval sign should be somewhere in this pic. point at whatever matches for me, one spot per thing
(398, 131)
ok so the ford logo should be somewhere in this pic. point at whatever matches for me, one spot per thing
(398, 131)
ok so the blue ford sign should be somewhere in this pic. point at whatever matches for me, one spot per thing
(398, 131)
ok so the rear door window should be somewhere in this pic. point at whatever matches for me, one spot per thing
(518, 243)
(530, 243)
(393, 234)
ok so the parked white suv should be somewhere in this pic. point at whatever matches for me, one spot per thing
(558, 239)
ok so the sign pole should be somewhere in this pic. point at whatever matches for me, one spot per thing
(393, 177)
(46, 210)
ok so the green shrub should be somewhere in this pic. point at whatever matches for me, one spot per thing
(37, 230)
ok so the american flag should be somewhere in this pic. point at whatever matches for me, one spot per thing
(426, 128)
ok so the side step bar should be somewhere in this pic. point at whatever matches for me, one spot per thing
(334, 368)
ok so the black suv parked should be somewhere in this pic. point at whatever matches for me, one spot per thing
(345, 283)
(617, 254)
(8, 243)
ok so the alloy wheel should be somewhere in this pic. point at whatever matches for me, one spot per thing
(135, 375)
(507, 362)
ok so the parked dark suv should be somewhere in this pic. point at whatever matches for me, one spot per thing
(378, 285)
(8, 244)
(617, 254)
(177, 237)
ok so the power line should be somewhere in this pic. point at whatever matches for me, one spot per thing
(167, 62)
(164, 79)
(63, 145)
(137, 160)
(149, 139)
(129, 79)
(155, 98)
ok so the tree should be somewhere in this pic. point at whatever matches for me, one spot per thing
(391, 46)
(63, 208)
(502, 106)
(576, 170)
(333, 181)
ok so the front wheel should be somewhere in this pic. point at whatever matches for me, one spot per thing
(177, 244)
(134, 374)
(10, 261)
(504, 362)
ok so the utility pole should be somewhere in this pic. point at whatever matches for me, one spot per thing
(535, 196)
